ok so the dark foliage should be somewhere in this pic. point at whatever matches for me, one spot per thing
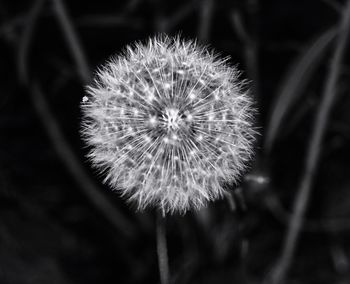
(287, 222)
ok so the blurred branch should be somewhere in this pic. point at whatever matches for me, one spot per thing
(73, 41)
(236, 200)
(66, 153)
(293, 86)
(162, 250)
(250, 48)
(164, 23)
(230, 200)
(72, 163)
(339, 257)
(122, 18)
(8, 27)
(334, 5)
(25, 40)
(313, 153)
(238, 26)
(205, 20)
(131, 6)
(109, 20)
(333, 225)
(180, 14)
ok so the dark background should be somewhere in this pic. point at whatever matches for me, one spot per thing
(59, 224)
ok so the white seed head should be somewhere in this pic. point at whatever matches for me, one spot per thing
(169, 123)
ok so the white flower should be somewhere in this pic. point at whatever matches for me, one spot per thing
(168, 122)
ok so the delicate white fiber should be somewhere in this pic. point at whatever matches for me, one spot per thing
(168, 122)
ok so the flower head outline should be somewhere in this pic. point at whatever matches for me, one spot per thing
(169, 122)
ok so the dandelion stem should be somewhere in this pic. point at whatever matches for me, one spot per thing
(314, 149)
(162, 250)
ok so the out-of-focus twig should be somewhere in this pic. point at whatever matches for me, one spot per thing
(159, 18)
(25, 39)
(131, 6)
(250, 49)
(180, 14)
(9, 26)
(67, 155)
(330, 225)
(250, 39)
(294, 84)
(231, 201)
(340, 259)
(162, 249)
(109, 20)
(313, 153)
(73, 41)
(164, 23)
(205, 19)
(57, 138)
(121, 19)
(334, 5)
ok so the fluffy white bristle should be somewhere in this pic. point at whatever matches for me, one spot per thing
(168, 122)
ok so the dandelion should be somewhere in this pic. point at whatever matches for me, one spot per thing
(169, 123)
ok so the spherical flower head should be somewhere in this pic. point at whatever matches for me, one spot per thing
(169, 123)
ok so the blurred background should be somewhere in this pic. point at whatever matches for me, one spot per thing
(287, 222)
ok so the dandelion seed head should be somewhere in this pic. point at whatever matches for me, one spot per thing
(168, 122)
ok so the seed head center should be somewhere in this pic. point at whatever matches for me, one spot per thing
(172, 119)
